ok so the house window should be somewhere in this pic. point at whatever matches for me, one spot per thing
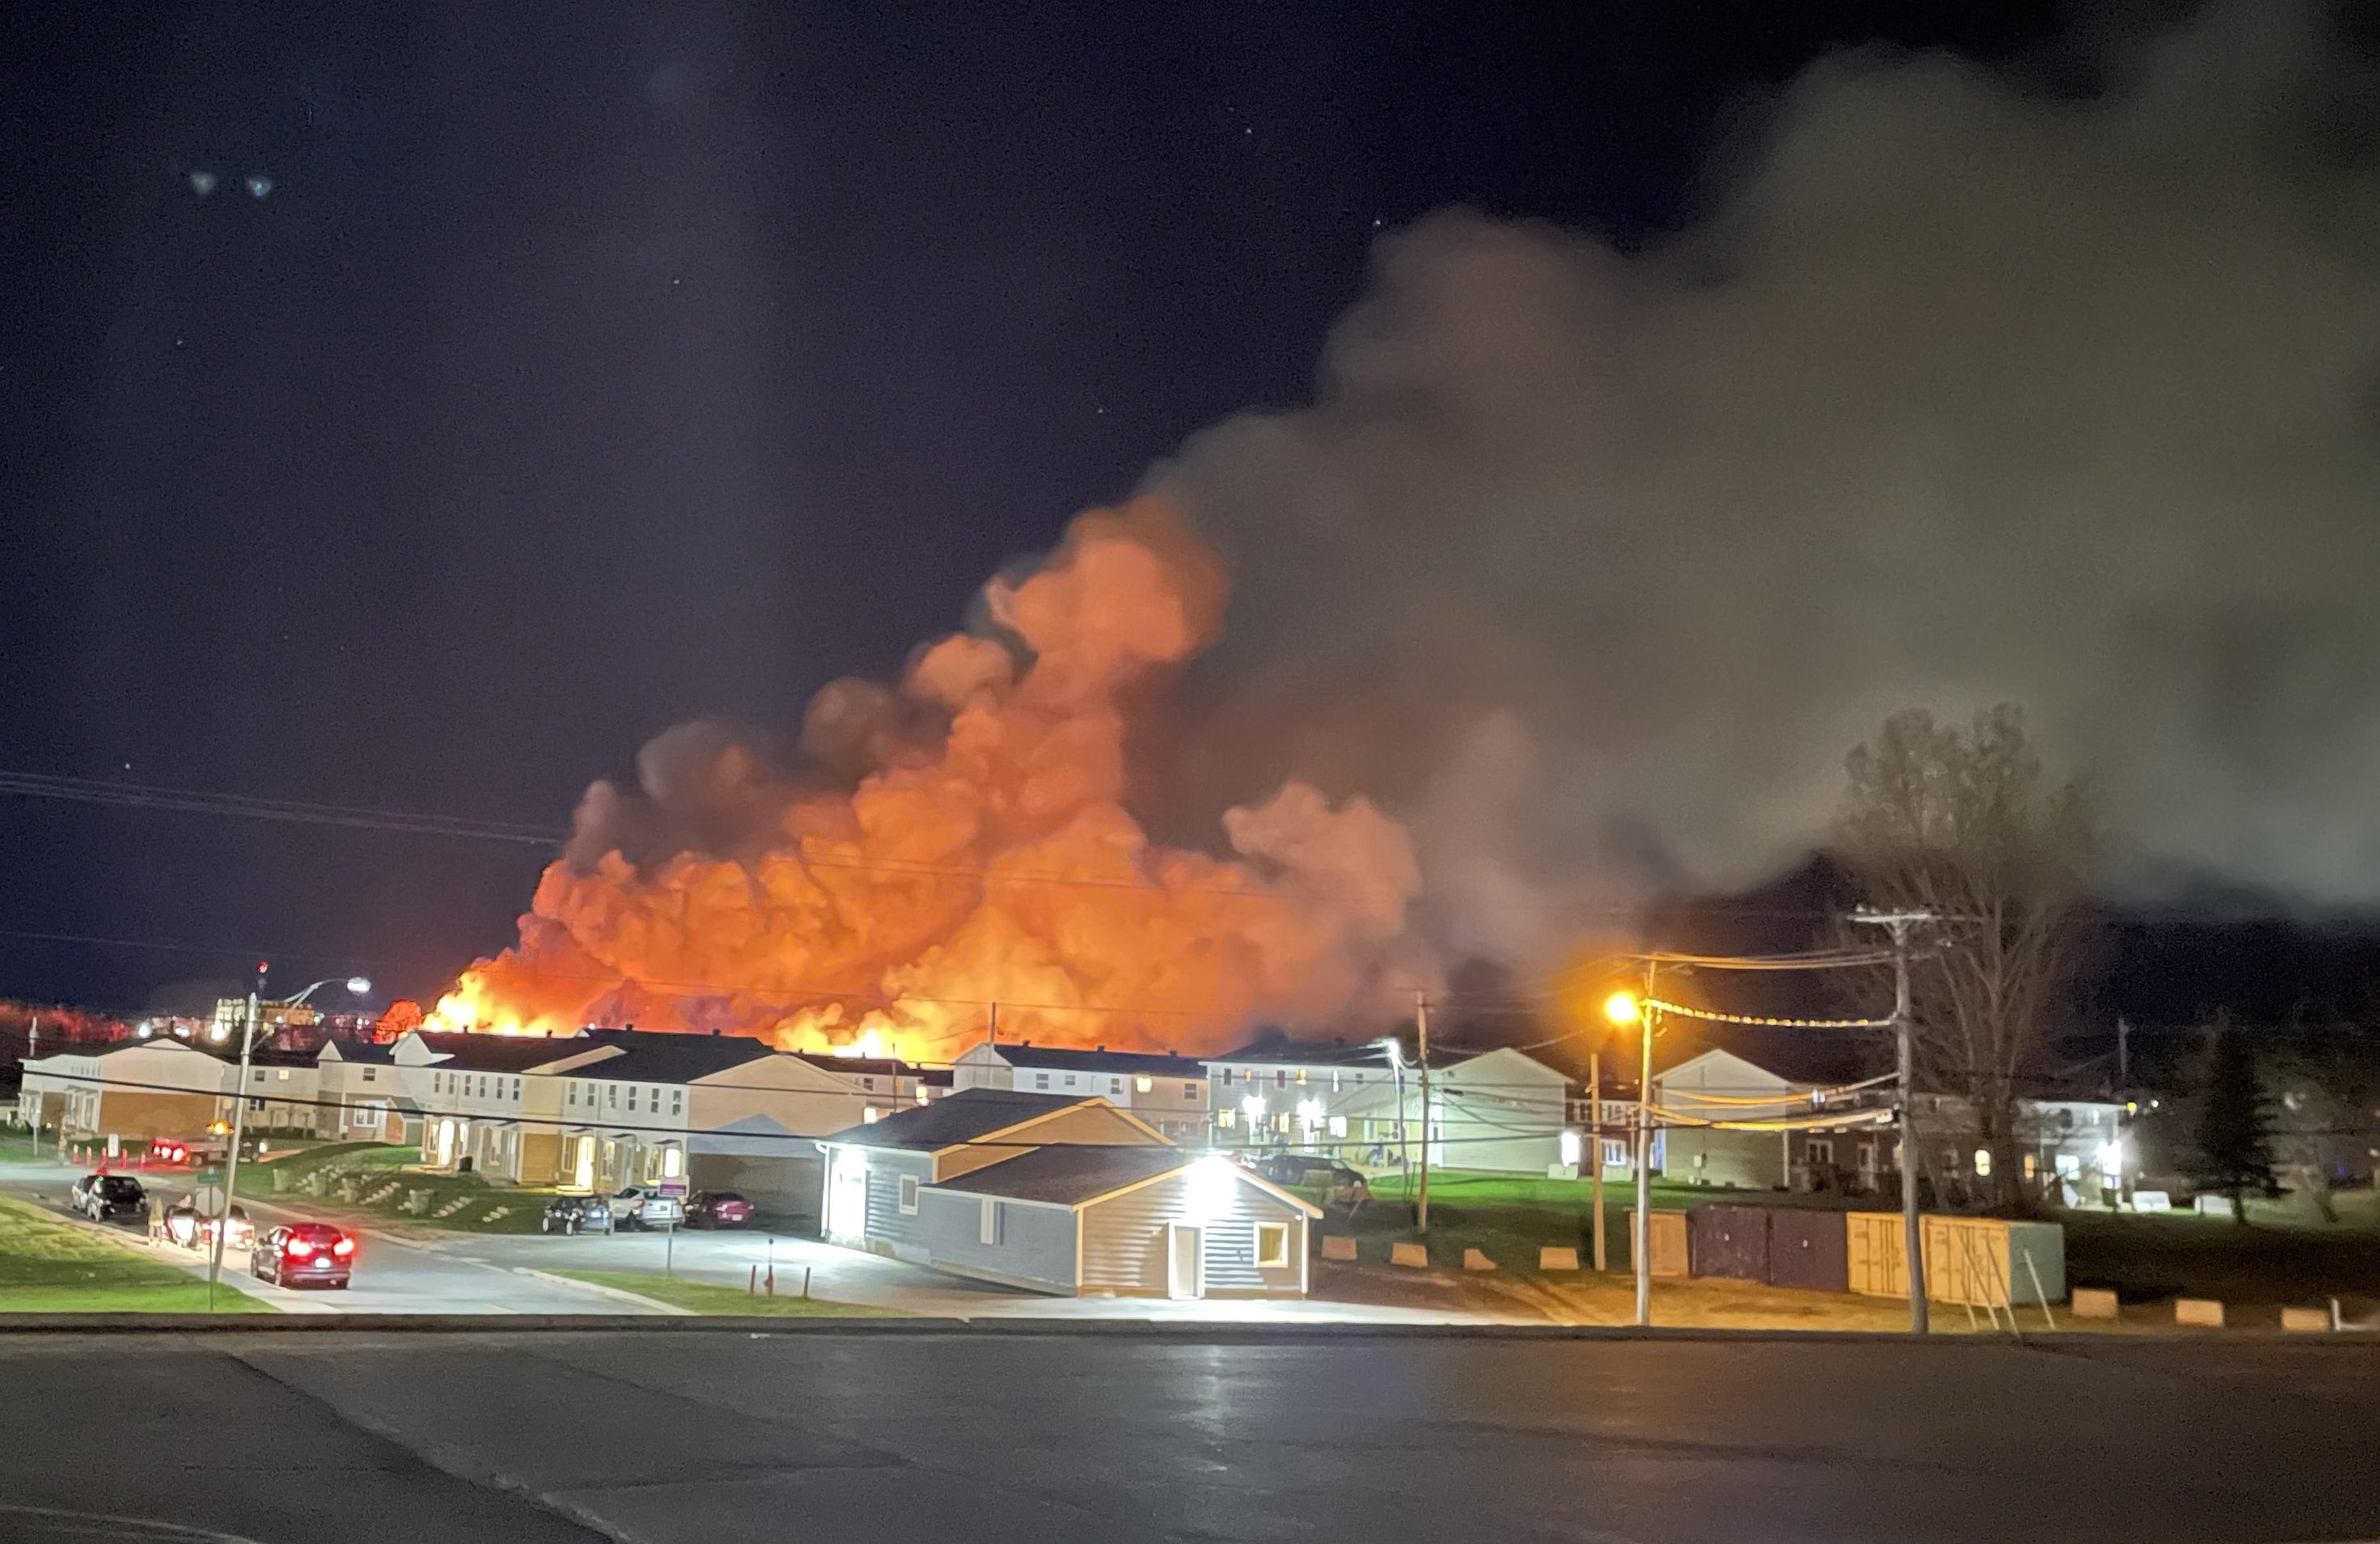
(611, 1096)
(1143, 1084)
(1338, 1126)
(369, 1072)
(1280, 1077)
(1272, 1245)
(1189, 1091)
(868, 1084)
(574, 1093)
(1334, 1080)
(284, 1074)
(677, 1102)
(256, 1075)
(1822, 1151)
(908, 1195)
(515, 1090)
(1950, 1159)
(1227, 1077)
(1226, 1119)
(672, 1162)
(2031, 1166)
(1040, 1079)
(869, 1114)
(988, 1231)
(1115, 1084)
(632, 1098)
(1301, 1074)
(1983, 1160)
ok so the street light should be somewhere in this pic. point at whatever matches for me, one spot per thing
(1621, 1008)
(1397, 1073)
(357, 984)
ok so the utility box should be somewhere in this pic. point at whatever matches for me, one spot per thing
(1668, 1253)
(1730, 1241)
(1973, 1261)
(1807, 1249)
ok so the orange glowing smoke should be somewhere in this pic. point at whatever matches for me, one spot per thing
(984, 856)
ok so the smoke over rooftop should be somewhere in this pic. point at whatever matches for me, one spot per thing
(1962, 393)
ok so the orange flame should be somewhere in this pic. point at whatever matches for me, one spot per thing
(986, 859)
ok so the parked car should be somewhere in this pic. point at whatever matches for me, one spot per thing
(1339, 1184)
(303, 1254)
(166, 1152)
(103, 1198)
(181, 1224)
(717, 1208)
(572, 1214)
(638, 1207)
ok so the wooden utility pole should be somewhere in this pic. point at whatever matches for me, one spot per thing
(1421, 1026)
(1595, 1143)
(1640, 1242)
(1912, 1230)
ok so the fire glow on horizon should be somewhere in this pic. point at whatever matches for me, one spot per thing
(982, 855)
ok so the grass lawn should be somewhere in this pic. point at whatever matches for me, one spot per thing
(369, 1181)
(49, 1266)
(704, 1298)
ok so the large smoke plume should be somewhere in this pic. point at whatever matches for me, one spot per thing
(1964, 393)
(1590, 567)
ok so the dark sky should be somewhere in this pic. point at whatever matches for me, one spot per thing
(589, 367)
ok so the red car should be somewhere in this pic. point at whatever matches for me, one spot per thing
(168, 1152)
(303, 1254)
(717, 1208)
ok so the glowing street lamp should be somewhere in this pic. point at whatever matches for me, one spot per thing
(1622, 1007)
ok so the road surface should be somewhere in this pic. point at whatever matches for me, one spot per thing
(707, 1437)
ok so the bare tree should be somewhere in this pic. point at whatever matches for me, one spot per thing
(1965, 823)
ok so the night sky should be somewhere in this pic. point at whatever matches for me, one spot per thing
(584, 369)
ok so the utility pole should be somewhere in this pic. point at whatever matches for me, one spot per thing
(2123, 1061)
(1595, 1143)
(239, 1132)
(1640, 1243)
(1420, 1025)
(1912, 1231)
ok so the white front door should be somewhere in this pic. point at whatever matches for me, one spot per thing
(846, 1201)
(1185, 1261)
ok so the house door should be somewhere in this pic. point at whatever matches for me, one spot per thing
(1185, 1261)
(846, 1201)
(583, 1172)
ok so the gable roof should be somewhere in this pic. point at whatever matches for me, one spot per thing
(876, 1066)
(1121, 1064)
(1814, 1058)
(468, 1052)
(1077, 1176)
(648, 1057)
(354, 1051)
(969, 1116)
(1272, 1050)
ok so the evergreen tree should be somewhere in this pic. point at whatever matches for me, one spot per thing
(2235, 1149)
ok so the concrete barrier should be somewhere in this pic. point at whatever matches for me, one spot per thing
(1338, 1246)
(1474, 1260)
(2304, 1321)
(1414, 1254)
(2093, 1303)
(2204, 1312)
(1557, 1260)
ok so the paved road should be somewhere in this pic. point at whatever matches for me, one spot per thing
(390, 1276)
(707, 1436)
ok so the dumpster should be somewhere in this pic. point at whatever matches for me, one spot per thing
(1668, 1253)
(1728, 1241)
(1808, 1248)
(1974, 1260)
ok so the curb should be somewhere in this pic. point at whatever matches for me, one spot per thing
(600, 1290)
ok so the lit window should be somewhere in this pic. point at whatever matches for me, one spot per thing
(1983, 1160)
(921, 1093)
(672, 1162)
(1226, 1119)
(1272, 1245)
(1143, 1084)
(284, 1074)
(908, 1195)
(1338, 1126)
(869, 1114)
(1334, 1080)
(1301, 1074)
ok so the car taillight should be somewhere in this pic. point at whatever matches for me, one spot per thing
(344, 1246)
(298, 1248)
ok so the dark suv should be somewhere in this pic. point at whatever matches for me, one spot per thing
(576, 1214)
(103, 1198)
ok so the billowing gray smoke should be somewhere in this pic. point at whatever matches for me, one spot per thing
(1964, 395)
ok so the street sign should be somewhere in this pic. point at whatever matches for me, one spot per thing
(208, 1200)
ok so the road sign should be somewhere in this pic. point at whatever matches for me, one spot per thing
(208, 1200)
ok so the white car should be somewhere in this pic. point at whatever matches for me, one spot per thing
(638, 1207)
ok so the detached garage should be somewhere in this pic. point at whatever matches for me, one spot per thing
(1069, 1195)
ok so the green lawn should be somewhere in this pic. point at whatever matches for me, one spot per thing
(703, 1298)
(370, 1182)
(49, 1266)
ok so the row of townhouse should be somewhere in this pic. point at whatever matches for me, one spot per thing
(1361, 1102)
(137, 1091)
(2071, 1150)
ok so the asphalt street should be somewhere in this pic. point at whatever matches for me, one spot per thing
(703, 1436)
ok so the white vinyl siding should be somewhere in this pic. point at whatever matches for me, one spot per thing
(1124, 1239)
